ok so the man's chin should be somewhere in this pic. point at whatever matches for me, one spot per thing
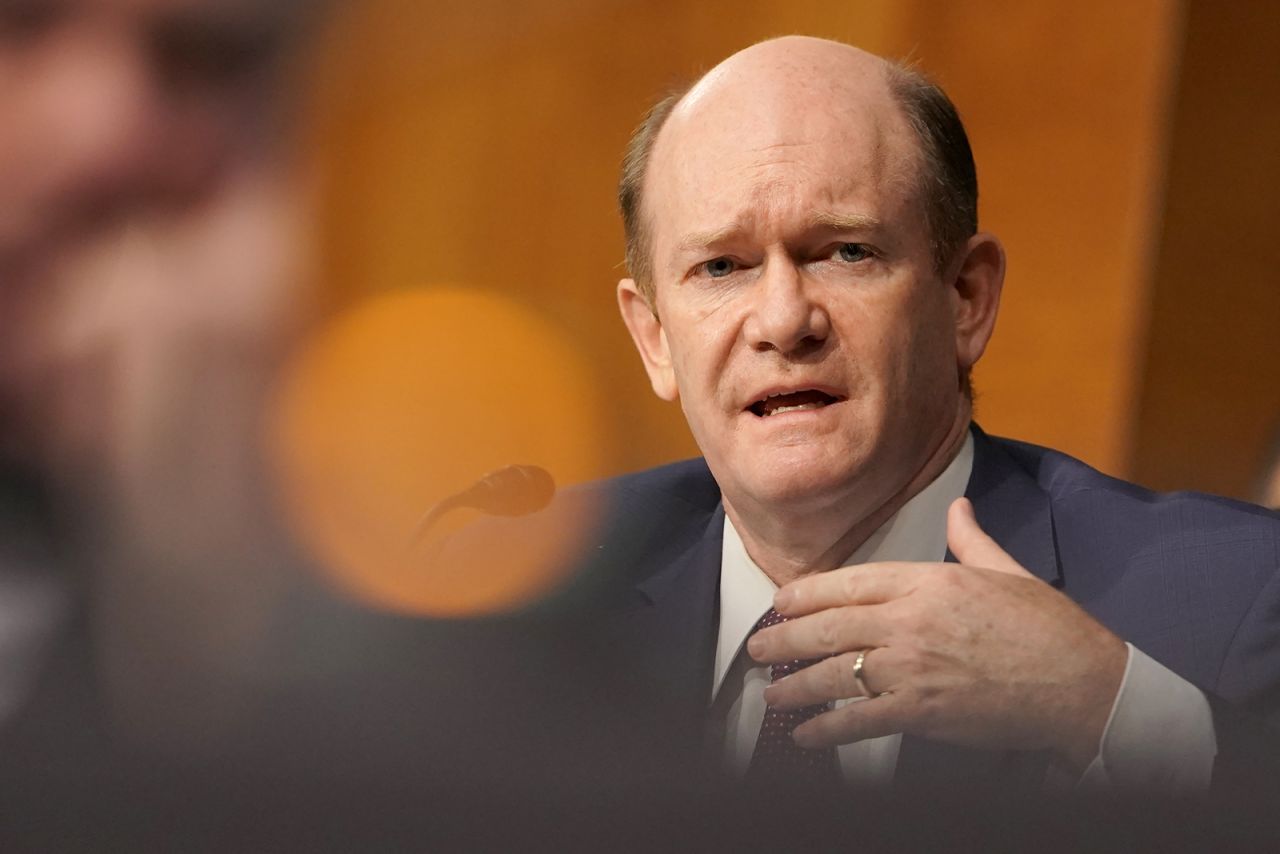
(796, 486)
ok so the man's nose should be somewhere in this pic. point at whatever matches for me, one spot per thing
(784, 315)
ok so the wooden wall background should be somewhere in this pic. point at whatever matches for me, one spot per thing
(1209, 409)
(1126, 154)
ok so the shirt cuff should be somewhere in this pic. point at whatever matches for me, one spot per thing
(1159, 739)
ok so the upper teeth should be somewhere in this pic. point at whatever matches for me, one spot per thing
(793, 408)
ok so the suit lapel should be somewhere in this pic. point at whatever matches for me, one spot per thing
(1016, 512)
(1013, 509)
(667, 628)
(676, 613)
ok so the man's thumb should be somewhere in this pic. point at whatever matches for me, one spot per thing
(971, 545)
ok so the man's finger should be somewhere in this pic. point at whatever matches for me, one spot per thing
(853, 722)
(832, 679)
(832, 631)
(971, 545)
(865, 584)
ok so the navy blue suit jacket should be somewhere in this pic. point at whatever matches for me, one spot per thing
(1192, 580)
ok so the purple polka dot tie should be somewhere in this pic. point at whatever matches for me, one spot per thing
(777, 757)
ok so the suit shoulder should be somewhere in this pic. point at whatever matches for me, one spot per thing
(1191, 579)
(687, 482)
(680, 490)
(1069, 480)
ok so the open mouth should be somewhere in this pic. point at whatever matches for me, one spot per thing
(792, 401)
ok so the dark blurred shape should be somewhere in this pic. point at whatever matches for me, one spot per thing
(511, 491)
(514, 490)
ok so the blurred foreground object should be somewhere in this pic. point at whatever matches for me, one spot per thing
(404, 400)
(110, 107)
(152, 256)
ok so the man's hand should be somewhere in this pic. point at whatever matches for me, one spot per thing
(979, 653)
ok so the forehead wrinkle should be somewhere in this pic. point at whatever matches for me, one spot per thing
(764, 194)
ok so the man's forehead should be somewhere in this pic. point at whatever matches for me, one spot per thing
(705, 175)
(823, 145)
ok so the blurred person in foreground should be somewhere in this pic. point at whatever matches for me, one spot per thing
(150, 245)
(118, 108)
(856, 583)
(150, 263)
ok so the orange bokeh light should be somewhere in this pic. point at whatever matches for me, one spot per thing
(410, 397)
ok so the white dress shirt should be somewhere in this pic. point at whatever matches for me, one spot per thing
(1159, 737)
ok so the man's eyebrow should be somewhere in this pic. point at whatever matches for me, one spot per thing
(843, 222)
(704, 239)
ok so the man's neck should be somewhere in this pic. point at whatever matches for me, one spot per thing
(788, 543)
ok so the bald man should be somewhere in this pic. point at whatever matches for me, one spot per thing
(855, 582)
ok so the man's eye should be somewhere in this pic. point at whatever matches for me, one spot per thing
(851, 252)
(718, 267)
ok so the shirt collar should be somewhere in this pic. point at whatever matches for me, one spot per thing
(917, 532)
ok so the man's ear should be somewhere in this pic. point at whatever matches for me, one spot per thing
(976, 284)
(649, 337)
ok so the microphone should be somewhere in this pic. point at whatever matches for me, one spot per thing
(510, 491)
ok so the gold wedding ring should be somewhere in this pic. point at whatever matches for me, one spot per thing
(857, 674)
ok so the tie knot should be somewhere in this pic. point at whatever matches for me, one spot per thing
(770, 618)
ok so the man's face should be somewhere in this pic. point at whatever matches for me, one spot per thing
(110, 105)
(801, 322)
(143, 116)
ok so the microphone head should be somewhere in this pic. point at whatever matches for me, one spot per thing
(511, 491)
